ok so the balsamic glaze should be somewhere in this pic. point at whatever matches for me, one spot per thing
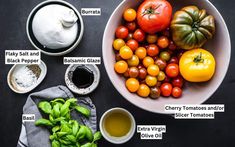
(82, 77)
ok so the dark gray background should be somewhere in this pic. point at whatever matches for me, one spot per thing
(180, 133)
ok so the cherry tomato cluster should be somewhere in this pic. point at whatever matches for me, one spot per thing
(149, 62)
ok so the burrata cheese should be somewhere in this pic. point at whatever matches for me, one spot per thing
(55, 26)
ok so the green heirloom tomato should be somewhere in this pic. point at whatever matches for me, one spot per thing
(191, 27)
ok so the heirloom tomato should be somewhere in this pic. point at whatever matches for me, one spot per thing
(154, 15)
(197, 65)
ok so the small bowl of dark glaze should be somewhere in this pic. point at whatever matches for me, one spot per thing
(82, 79)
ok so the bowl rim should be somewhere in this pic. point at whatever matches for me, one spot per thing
(209, 94)
(75, 44)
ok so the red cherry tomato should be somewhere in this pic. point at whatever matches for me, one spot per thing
(154, 15)
(172, 46)
(139, 35)
(160, 63)
(172, 70)
(178, 82)
(133, 44)
(142, 73)
(121, 32)
(166, 89)
(152, 50)
(174, 60)
(176, 92)
(131, 26)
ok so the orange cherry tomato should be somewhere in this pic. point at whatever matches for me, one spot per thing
(125, 52)
(121, 66)
(132, 84)
(148, 61)
(141, 52)
(129, 14)
(143, 90)
(163, 42)
(153, 70)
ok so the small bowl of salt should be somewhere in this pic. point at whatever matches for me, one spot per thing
(23, 78)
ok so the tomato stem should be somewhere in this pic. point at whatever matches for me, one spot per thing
(151, 10)
(198, 59)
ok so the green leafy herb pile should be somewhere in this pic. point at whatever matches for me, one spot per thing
(66, 132)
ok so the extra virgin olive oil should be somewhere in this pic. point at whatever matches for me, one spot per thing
(117, 124)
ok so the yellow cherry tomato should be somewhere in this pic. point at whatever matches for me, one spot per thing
(129, 14)
(118, 43)
(125, 52)
(161, 76)
(143, 90)
(121, 66)
(133, 61)
(197, 65)
(151, 80)
(153, 70)
(141, 52)
(148, 61)
(132, 84)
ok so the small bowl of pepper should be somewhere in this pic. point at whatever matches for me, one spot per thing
(82, 79)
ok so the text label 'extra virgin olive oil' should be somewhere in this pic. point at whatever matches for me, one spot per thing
(117, 124)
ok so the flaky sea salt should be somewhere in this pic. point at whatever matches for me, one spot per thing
(25, 77)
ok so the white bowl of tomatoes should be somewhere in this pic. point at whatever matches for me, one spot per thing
(159, 52)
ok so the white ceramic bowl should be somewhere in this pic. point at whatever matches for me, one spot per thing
(193, 93)
(117, 140)
(47, 51)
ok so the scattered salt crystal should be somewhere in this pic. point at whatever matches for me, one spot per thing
(25, 77)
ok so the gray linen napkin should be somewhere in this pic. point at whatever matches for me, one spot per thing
(33, 136)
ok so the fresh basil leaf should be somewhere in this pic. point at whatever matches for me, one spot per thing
(55, 143)
(87, 145)
(65, 108)
(83, 110)
(55, 129)
(56, 111)
(43, 122)
(45, 107)
(97, 136)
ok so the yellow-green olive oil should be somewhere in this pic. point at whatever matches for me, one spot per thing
(117, 124)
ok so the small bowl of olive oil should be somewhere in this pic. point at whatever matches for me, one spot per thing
(117, 125)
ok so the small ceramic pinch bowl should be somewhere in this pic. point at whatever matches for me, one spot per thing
(12, 83)
(86, 90)
(193, 93)
(117, 140)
